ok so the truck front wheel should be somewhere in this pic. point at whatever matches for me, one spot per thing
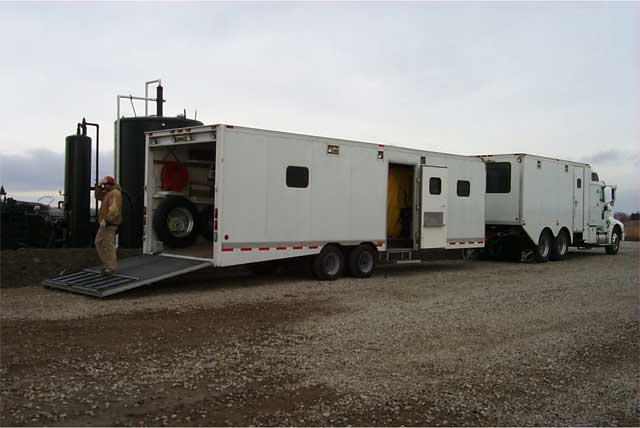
(543, 250)
(329, 264)
(615, 242)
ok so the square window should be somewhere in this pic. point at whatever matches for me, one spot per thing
(498, 177)
(463, 188)
(298, 177)
(435, 186)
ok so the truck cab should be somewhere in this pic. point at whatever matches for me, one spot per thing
(603, 228)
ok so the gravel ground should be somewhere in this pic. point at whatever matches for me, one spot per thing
(439, 343)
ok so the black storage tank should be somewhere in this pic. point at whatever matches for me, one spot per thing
(132, 168)
(77, 184)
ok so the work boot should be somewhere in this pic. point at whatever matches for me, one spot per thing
(107, 272)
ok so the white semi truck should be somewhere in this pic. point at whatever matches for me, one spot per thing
(223, 195)
(547, 205)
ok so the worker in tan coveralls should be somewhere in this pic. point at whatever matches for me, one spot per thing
(110, 217)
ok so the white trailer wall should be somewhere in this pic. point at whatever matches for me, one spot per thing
(547, 196)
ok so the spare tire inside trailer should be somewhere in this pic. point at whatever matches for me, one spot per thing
(176, 222)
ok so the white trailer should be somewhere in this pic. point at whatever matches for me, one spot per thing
(546, 205)
(274, 195)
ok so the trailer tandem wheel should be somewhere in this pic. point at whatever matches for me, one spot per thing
(543, 249)
(361, 261)
(328, 265)
(560, 246)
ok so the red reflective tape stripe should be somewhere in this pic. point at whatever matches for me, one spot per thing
(297, 248)
(245, 249)
(281, 248)
(480, 242)
(227, 249)
(462, 242)
(379, 244)
(471, 242)
(230, 126)
(313, 247)
(381, 145)
(452, 243)
(263, 248)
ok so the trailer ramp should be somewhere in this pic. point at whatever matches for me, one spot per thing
(132, 272)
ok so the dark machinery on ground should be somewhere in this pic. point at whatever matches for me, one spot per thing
(29, 224)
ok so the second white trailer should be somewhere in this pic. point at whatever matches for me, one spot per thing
(243, 196)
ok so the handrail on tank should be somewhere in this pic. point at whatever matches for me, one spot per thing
(146, 94)
(146, 100)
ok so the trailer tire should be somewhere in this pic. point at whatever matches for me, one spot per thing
(560, 246)
(543, 249)
(615, 242)
(328, 265)
(361, 261)
(176, 222)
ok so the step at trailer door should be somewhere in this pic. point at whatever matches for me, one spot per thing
(133, 272)
(434, 201)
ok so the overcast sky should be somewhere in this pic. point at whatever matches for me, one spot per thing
(555, 79)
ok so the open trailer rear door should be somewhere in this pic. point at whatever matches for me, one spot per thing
(132, 272)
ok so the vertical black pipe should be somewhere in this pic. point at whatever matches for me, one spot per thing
(95, 184)
(159, 100)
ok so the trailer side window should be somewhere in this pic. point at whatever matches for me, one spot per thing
(463, 188)
(579, 183)
(499, 177)
(297, 176)
(435, 186)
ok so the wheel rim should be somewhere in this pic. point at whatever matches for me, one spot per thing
(180, 222)
(365, 262)
(543, 247)
(615, 241)
(332, 264)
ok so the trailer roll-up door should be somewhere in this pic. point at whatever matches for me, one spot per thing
(132, 272)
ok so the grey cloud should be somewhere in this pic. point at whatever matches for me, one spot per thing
(41, 169)
(611, 156)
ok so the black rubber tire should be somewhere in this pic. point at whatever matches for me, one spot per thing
(264, 268)
(560, 246)
(206, 222)
(161, 226)
(615, 242)
(362, 261)
(328, 265)
(543, 249)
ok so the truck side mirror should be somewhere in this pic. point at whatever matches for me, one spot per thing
(613, 195)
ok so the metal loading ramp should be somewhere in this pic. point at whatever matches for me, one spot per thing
(132, 272)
